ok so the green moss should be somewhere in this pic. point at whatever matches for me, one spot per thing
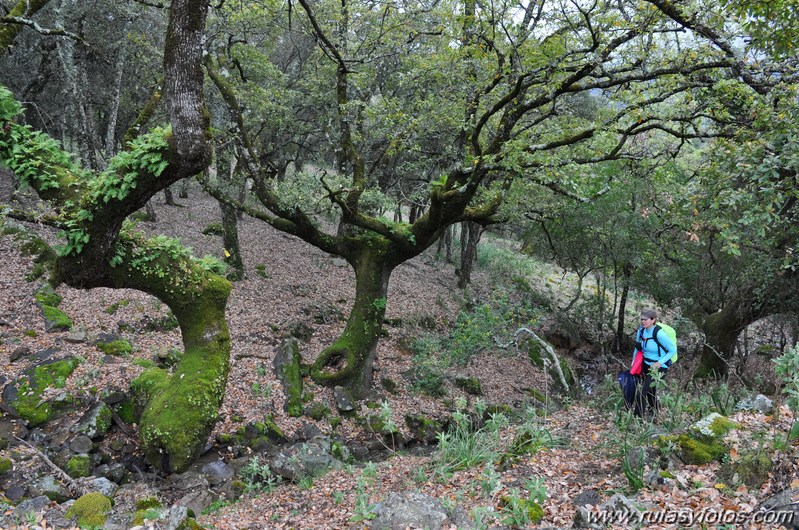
(126, 411)
(46, 295)
(30, 333)
(79, 466)
(721, 426)
(317, 411)
(750, 469)
(534, 353)
(214, 229)
(141, 515)
(237, 488)
(29, 404)
(91, 510)
(148, 502)
(57, 319)
(115, 347)
(514, 505)
(113, 308)
(694, 451)
(144, 363)
(6, 465)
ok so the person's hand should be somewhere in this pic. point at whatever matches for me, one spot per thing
(656, 365)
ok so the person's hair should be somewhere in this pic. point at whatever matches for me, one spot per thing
(649, 313)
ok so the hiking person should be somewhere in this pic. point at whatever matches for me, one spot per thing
(659, 350)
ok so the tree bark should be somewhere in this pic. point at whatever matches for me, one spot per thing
(470, 237)
(230, 238)
(721, 334)
(620, 341)
(349, 360)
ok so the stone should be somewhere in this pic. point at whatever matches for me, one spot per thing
(15, 493)
(48, 487)
(619, 503)
(77, 337)
(104, 486)
(196, 501)
(81, 445)
(115, 472)
(587, 498)
(27, 506)
(95, 423)
(19, 353)
(178, 515)
(410, 510)
(344, 400)
(308, 459)
(217, 472)
(286, 366)
(759, 403)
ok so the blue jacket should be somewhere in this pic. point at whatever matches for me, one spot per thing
(652, 353)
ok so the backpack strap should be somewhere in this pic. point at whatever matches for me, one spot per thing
(655, 330)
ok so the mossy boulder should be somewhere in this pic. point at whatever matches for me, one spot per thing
(6, 465)
(214, 229)
(117, 348)
(424, 429)
(751, 469)
(79, 466)
(91, 510)
(703, 443)
(96, 422)
(25, 396)
(287, 369)
(317, 411)
(55, 319)
(46, 296)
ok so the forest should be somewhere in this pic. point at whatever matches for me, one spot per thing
(377, 264)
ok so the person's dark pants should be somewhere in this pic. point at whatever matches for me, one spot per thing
(646, 401)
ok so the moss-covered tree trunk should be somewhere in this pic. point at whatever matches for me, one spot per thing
(349, 360)
(721, 333)
(180, 410)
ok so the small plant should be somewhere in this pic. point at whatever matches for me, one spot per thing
(305, 483)
(364, 511)
(260, 270)
(338, 497)
(464, 446)
(258, 477)
(490, 480)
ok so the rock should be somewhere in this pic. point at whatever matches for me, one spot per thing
(308, 459)
(217, 472)
(104, 486)
(77, 337)
(344, 400)
(19, 353)
(177, 517)
(95, 423)
(759, 403)
(784, 506)
(49, 487)
(115, 472)
(410, 510)
(287, 369)
(619, 503)
(81, 445)
(15, 493)
(196, 501)
(10, 430)
(587, 498)
(27, 506)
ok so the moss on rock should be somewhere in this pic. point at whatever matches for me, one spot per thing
(79, 466)
(115, 347)
(91, 510)
(29, 404)
(6, 465)
(46, 295)
(55, 319)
